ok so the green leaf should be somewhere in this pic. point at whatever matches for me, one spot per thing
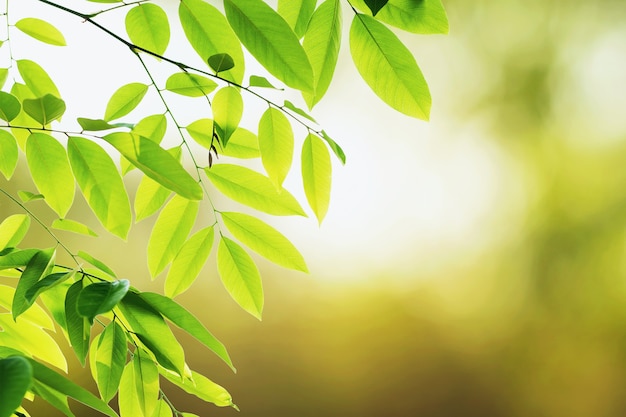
(54, 301)
(127, 399)
(201, 131)
(97, 263)
(190, 85)
(375, 5)
(170, 232)
(22, 92)
(50, 171)
(13, 229)
(10, 106)
(124, 100)
(8, 154)
(424, 16)
(188, 262)
(101, 184)
(146, 381)
(149, 198)
(182, 318)
(150, 328)
(335, 147)
(78, 327)
(276, 145)
(257, 81)
(264, 240)
(73, 226)
(221, 62)
(17, 259)
(242, 144)
(316, 175)
(152, 127)
(288, 104)
(27, 196)
(110, 358)
(227, 111)
(94, 125)
(321, 43)
(202, 387)
(4, 74)
(17, 375)
(36, 79)
(297, 13)
(162, 409)
(52, 397)
(388, 67)
(240, 276)
(209, 34)
(147, 26)
(44, 109)
(100, 297)
(41, 30)
(253, 189)
(156, 163)
(46, 283)
(37, 267)
(66, 387)
(271, 41)
(36, 314)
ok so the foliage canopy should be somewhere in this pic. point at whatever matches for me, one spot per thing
(133, 347)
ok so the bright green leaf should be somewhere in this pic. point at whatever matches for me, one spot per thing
(27, 196)
(36, 314)
(36, 79)
(201, 387)
(297, 13)
(257, 81)
(316, 175)
(97, 263)
(147, 26)
(149, 198)
(388, 67)
(170, 232)
(227, 111)
(152, 127)
(17, 259)
(101, 184)
(146, 381)
(335, 147)
(9, 106)
(321, 43)
(38, 266)
(424, 16)
(13, 229)
(240, 276)
(17, 375)
(271, 41)
(4, 74)
(46, 283)
(288, 104)
(73, 226)
(242, 144)
(264, 240)
(22, 92)
(100, 297)
(8, 154)
(188, 262)
(276, 145)
(253, 189)
(221, 62)
(78, 328)
(110, 358)
(41, 30)
(50, 171)
(52, 397)
(190, 85)
(209, 34)
(201, 131)
(162, 409)
(44, 109)
(124, 100)
(156, 163)
(94, 125)
(127, 399)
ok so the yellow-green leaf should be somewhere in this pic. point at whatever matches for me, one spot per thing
(316, 175)
(147, 26)
(41, 30)
(73, 226)
(201, 131)
(36, 79)
(149, 198)
(202, 387)
(424, 16)
(227, 111)
(188, 262)
(13, 229)
(276, 145)
(124, 100)
(146, 381)
(8, 154)
(297, 13)
(242, 144)
(110, 358)
(190, 85)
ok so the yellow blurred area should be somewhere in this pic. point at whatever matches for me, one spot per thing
(470, 267)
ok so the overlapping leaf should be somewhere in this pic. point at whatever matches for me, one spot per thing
(78, 327)
(424, 16)
(227, 111)
(110, 358)
(17, 375)
(38, 266)
(189, 261)
(8, 154)
(297, 13)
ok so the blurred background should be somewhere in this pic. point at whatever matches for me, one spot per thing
(469, 266)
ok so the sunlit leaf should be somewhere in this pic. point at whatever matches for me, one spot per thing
(146, 381)
(50, 171)
(242, 144)
(162, 409)
(110, 358)
(375, 5)
(36, 79)
(264, 240)
(257, 81)
(147, 26)
(46, 283)
(170, 232)
(73, 226)
(41, 30)
(201, 131)
(253, 189)
(22, 92)
(96, 262)
(52, 397)
(127, 399)
(17, 259)
(78, 328)
(335, 147)
(321, 43)
(27, 196)
(316, 175)
(36, 314)
(152, 127)
(424, 16)
(101, 184)
(13, 229)
(227, 111)
(124, 100)
(38, 266)
(149, 198)
(156, 163)
(4, 74)
(182, 318)
(209, 34)
(8, 154)
(100, 297)
(388, 67)
(190, 85)
(188, 262)
(202, 387)
(297, 13)
(17, 375)
(221, 62)
(9, 106)
(44, 109)
(150, 328)
(275, 144)
(271, 41)
(288, 104)
(94, 125)
(240, 276)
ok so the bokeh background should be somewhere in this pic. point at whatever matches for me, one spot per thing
(469, 266)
